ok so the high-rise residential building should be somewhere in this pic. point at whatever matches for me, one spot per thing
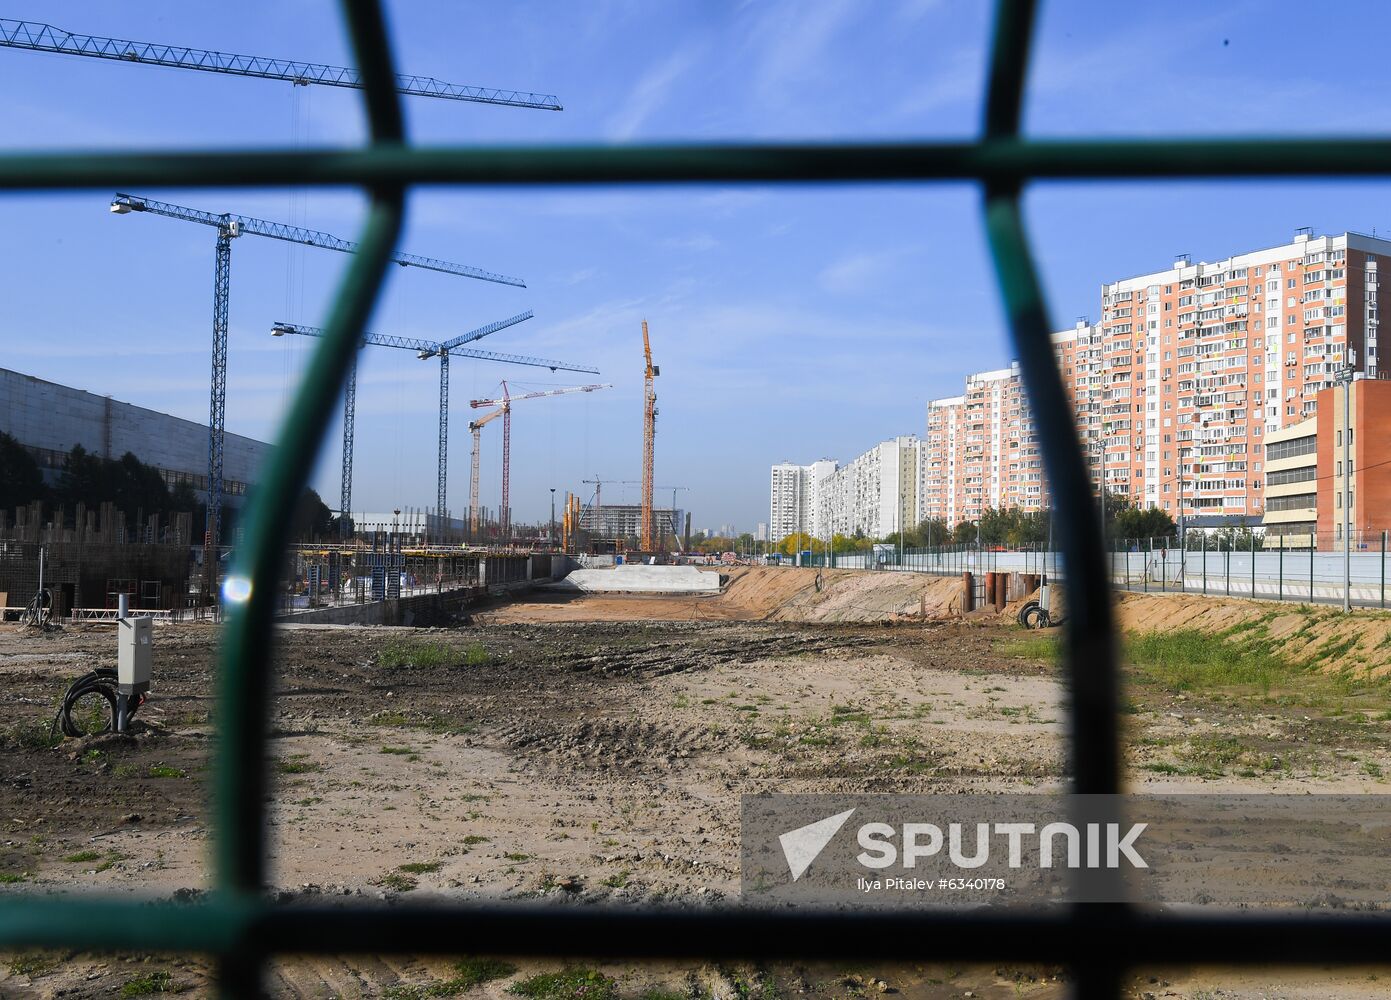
(981, 450)
(795, 498)
(1199, 362)
(875, 494)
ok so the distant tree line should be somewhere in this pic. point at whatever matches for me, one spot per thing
(137, 489)
(997, 526)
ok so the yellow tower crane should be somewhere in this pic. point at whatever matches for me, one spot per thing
(649, 434)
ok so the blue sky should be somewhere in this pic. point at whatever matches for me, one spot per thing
(789, 324)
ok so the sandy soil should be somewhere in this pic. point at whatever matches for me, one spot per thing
(557, 753)
(753, 593)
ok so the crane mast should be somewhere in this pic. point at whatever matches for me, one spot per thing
(649, 434)
(40, 37)
(230, 227)
(425, 349)
(504, 409)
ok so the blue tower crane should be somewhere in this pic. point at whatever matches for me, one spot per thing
(230, 227)
(40, 37)
(424, 350)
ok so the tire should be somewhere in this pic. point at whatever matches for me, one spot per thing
(1024, 612)
(1036, 617)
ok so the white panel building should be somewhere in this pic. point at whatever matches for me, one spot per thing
(795, 498)
(876, 493)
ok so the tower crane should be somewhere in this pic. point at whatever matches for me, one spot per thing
(41, 37)
(504, 410)
(230, 227)
(424, 350)
(649, 434)
(46, 38)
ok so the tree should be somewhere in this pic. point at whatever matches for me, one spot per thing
(1126, 520)
(798, 541)
(21, 482)
(312, 519)
(933, 532)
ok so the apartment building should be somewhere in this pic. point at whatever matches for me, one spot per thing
(1291, 485)
(795, 498)
(876, 493)
(981, 450)
(1309, 483)
(1201, 362)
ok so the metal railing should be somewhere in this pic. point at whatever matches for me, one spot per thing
(237, 922)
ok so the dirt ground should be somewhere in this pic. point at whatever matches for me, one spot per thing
(592, 750)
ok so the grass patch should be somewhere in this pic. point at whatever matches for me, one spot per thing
(33, 735)
(473, 839)
(1034, 647)
(420, 867)
(1190, 660)
(567, 984)
(397, 653)
(82, 857)
(166, 771)
(33, 964)
(396, 882)
(618, 881)
(401, 751)
(149, 984)
(296, 765)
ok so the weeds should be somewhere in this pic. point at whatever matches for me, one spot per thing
(150, 983)
(397, 882)
(468, 973)
(396, 653)
(420, 867)
(33, 964)
(82, 857)
(568, 984)
(166, 771)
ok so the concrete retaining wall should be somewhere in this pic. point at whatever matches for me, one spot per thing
(639, 579)
(500, 575)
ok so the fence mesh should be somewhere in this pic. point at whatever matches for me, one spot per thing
(239, 925)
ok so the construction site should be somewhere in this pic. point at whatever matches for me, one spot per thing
(299, 707)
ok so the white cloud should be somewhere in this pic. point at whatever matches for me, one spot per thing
(856, 272)
(649, 94)
(699, 242)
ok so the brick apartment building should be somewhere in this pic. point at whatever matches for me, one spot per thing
(1199, 362)
(981, 450)
(1175, 391)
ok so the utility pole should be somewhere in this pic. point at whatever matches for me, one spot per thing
(550, 539)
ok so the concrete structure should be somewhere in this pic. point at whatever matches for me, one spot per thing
(875, 494)
(795, 498)
(48, 419)
(625, 521)
(635, 578)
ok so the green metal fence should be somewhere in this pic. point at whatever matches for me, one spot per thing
(241, 927)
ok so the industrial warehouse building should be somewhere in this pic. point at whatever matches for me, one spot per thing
(48, 419)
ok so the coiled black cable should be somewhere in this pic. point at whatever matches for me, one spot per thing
(100, 682)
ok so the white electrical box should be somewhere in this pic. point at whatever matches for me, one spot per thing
(134, 649)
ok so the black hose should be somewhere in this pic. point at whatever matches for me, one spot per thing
(100, 682)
